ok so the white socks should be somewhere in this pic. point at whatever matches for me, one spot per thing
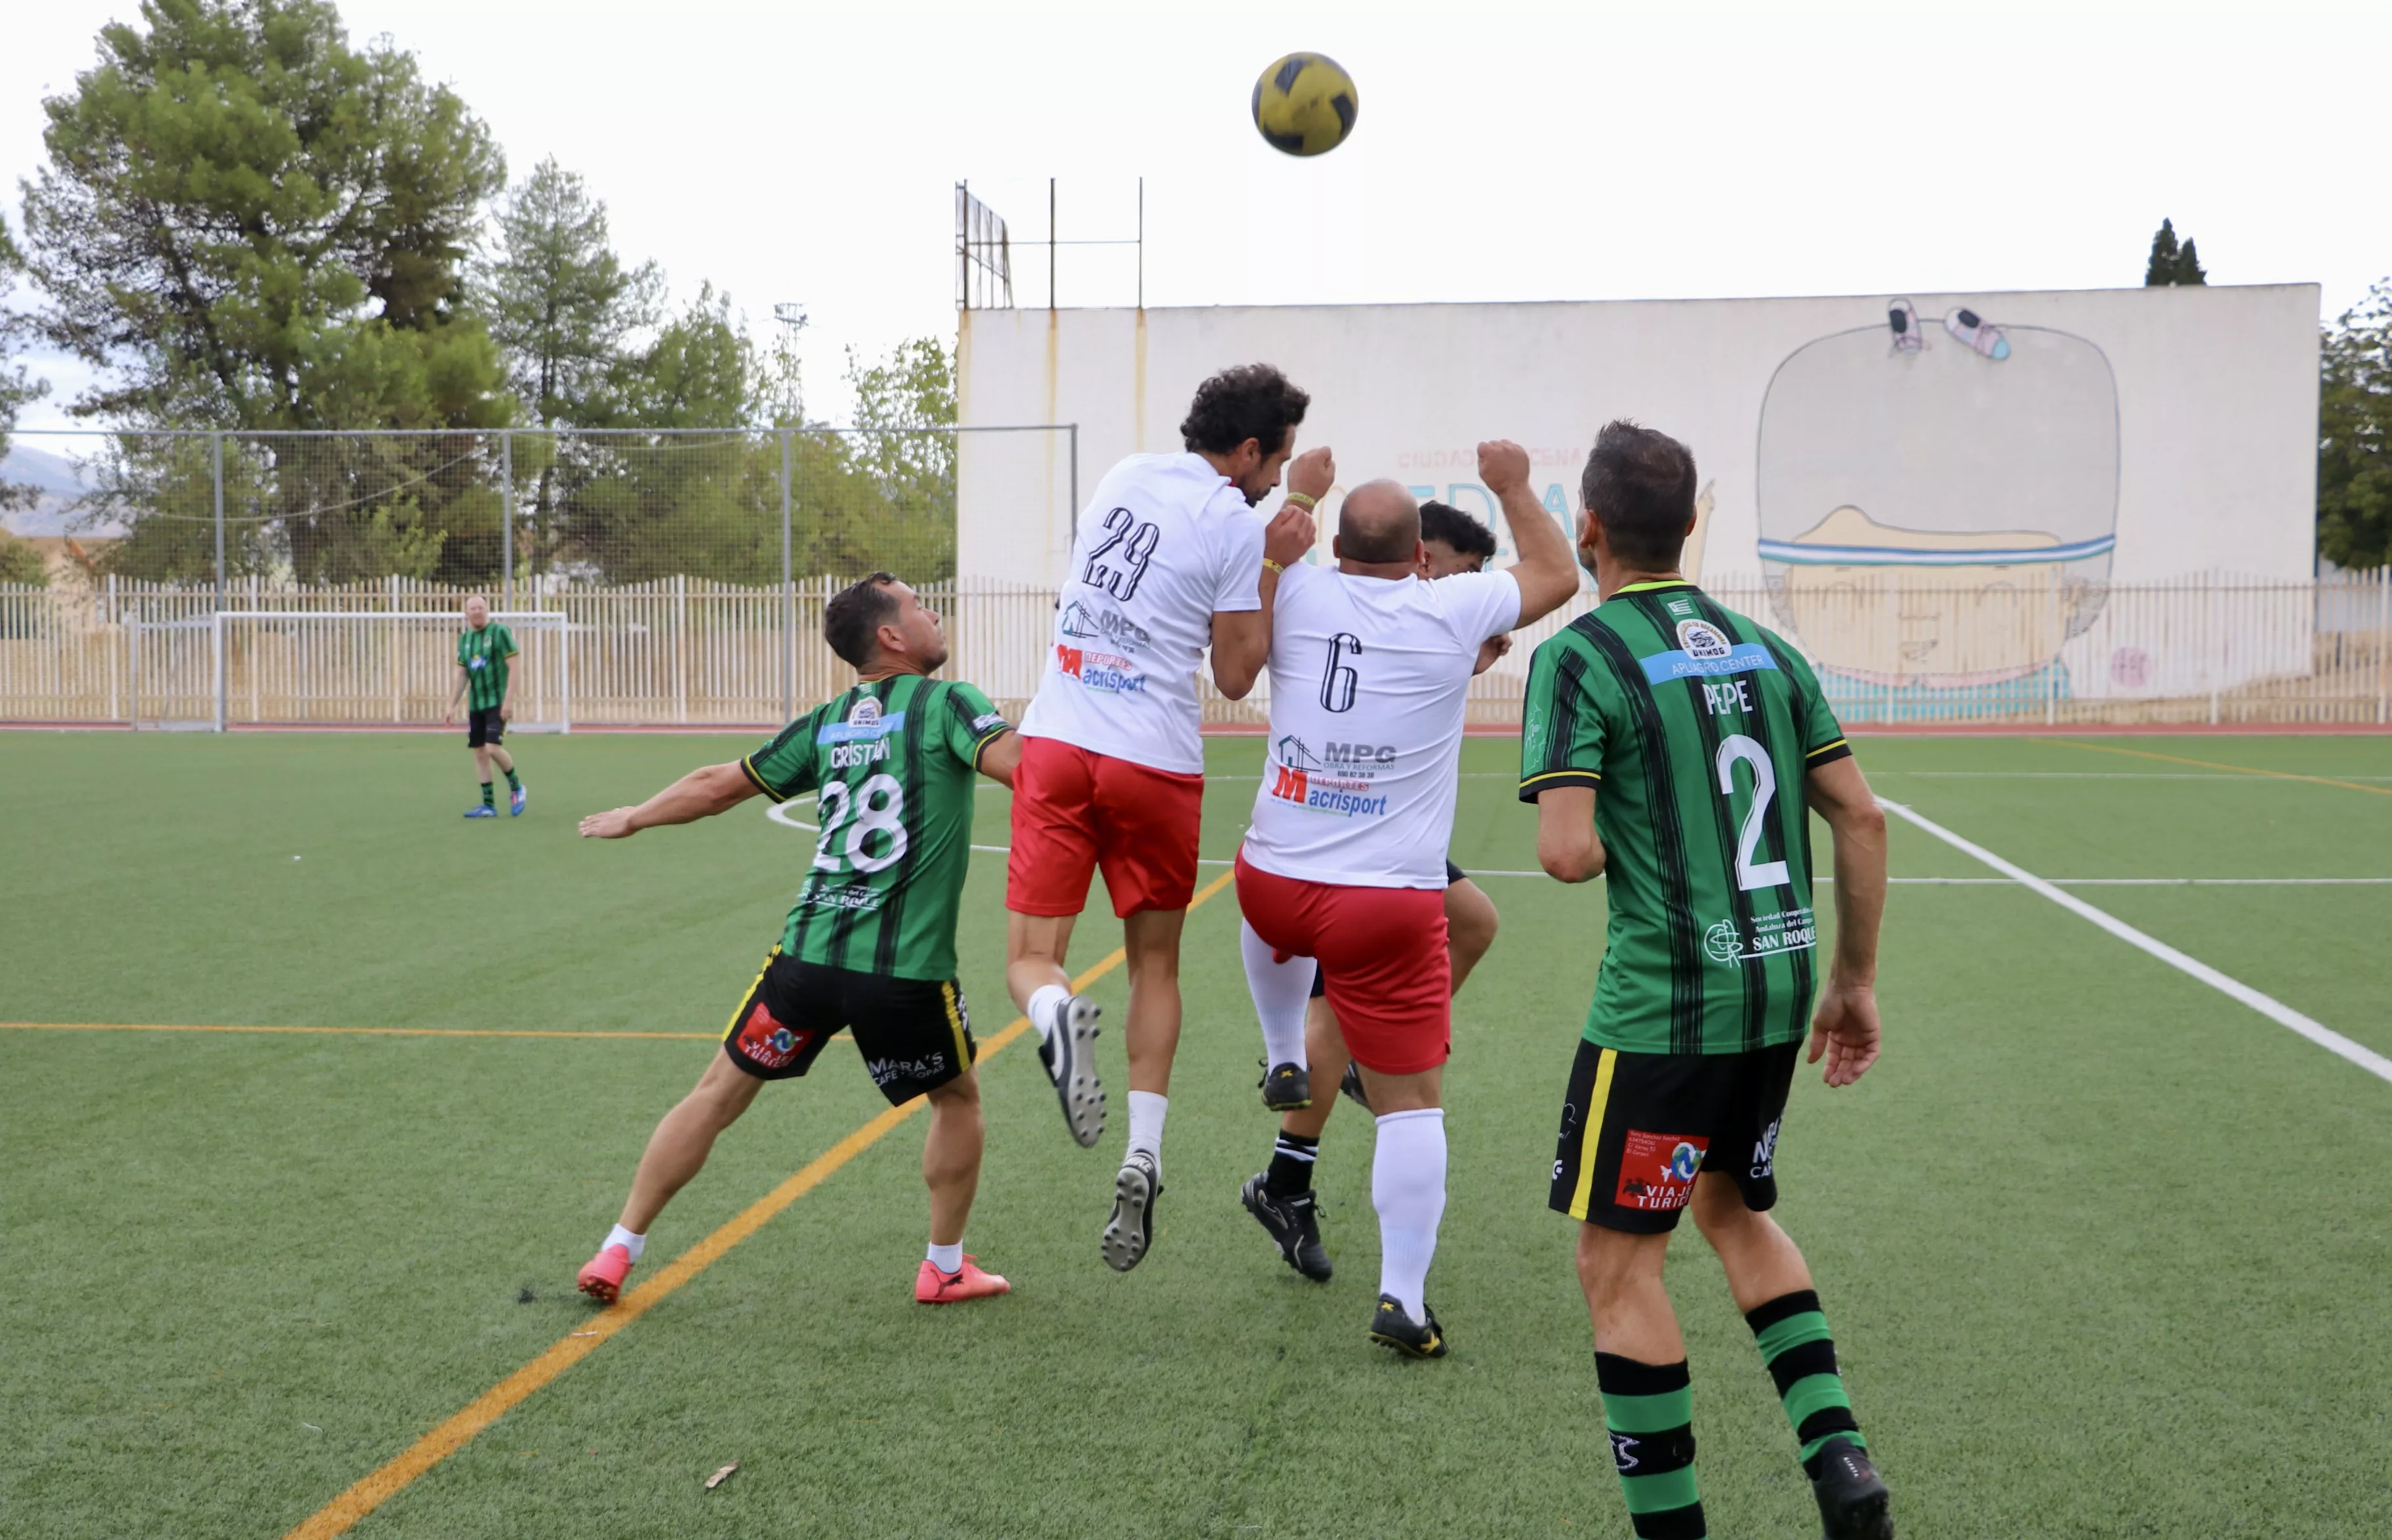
(948, 1259)
(1043, 1001)
(1408, 1189)
(1281, 991)
(1146, 1110)
(629, 1242)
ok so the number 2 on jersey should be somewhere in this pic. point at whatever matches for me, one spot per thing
(879, 805)
(1768, 874)
(1119, 575)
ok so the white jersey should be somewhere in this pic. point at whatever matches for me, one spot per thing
(1165, 543)
(1368, 681)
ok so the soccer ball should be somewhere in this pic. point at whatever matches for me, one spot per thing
(1306, 104)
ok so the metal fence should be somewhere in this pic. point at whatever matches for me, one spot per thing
(688, 651)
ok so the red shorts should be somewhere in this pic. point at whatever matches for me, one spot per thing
(1382, 955)
(1074, 811)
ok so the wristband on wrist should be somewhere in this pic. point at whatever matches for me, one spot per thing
(1273, 565)
(1304, 500)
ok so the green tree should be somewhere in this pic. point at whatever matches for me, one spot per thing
(2170, 263)
(16, 383)
(905, 450)
(2355, 434)
(245, 223)
(560, 303)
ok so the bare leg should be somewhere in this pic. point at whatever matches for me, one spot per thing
(677, 1149)
(1151, 937)
(1034, 948)
(951, 1156)
(500, 758)
(1403, 1093)
(482, 763)
(1469, 927)
(1762, 1262)
(1622, 1275)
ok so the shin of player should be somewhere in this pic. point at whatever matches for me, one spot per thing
(485, 650)
(1671, 745)
(1171, 558)
(870, 944)
(1344, 859)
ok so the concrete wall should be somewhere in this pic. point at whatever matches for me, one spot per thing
(2071, 441)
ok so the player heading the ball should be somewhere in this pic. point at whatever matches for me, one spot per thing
(870, 943)
(1170, 556)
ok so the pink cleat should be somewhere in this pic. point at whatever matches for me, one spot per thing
(602, 1277)
(934, 1288)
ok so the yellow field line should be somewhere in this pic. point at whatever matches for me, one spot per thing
(351, 1031)
(335, 1516)
(2214, 764)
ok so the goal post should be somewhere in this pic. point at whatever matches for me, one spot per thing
(303, 668)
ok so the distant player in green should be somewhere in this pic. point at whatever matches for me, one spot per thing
(870, 944)
(1671, 746)
(484, 650)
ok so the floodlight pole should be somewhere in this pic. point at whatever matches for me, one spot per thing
(788, 597)
(507, 515)
(218, 640)
(1141, 260)
(1050, 242)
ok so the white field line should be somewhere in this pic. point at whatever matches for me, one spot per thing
(2274, 1010)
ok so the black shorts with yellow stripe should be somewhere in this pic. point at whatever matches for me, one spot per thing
(1637, 1129)
(915, 1034)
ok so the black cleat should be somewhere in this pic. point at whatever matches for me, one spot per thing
(1294, 1223)
(1131, 1230)
(1851, 1499)
(1287, 1087)
(1390, 1328)
(1069, 1053)
(1351, 1084)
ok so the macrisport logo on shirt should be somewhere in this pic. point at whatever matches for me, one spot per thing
(1340, 786)
(1703, 649)
(862, 738)
(1105, 673)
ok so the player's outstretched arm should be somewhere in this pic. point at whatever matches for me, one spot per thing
(1000, 758)
(1547, 570)
(1845, 1026)
(1567, 846)
(1241, 637)
(700, 794)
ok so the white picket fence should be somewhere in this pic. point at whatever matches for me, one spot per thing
(684, 652)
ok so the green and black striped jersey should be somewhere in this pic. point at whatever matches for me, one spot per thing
(1695, 727)
(483, 655)
(893, 763)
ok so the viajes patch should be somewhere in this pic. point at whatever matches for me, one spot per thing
(1657, 1170)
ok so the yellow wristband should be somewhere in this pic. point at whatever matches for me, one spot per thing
(1273, 565)
(1304, 500)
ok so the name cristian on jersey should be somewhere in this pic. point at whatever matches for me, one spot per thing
(1337, 780)
(862, 738)
(1703, 649)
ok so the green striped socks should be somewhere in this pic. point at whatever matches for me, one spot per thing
(485, 794)
(1795, 1344)
(1649, 1409)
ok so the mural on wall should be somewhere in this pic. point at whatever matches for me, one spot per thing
(1938, 499)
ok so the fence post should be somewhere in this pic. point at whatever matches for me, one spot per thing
(789, 596)
(218, 480)
(2384, 644)
(507, 515)
(115, 626)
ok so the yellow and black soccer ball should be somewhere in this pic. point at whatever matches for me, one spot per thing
(1306, 104)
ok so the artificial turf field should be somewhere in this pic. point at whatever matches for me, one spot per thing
(2105, 1251)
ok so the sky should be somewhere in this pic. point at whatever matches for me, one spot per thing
(808, 153)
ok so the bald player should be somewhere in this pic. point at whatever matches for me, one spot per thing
(1345, 860)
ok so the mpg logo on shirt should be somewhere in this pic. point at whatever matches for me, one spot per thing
(1338, 783)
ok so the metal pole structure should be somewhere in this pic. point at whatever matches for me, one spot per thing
(1141, 242)
(1050, 242)
(788, 596)
(507, 515)
(1075, 481)
(218, 447)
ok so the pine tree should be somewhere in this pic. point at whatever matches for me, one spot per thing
(559, 302)
(2170, 263)
(2355, 434)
